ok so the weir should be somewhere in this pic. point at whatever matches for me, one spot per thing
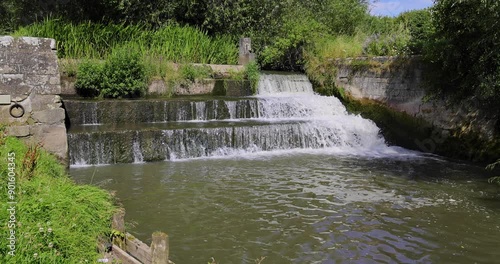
(285, 115)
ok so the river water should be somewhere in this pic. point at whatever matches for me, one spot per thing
(294, 180)
(310, 208)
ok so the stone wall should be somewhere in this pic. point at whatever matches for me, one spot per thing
(399, 83)
(29, 77)
(390, 80)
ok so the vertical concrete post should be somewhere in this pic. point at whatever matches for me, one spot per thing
(245, 54)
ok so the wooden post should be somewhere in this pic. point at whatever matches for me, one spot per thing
(118, 224)
(159, 248)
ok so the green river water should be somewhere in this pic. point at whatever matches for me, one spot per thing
(310, 207)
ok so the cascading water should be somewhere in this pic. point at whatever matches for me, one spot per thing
(326, 123)
(285, 115)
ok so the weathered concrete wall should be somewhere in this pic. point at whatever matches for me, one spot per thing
(389, 80)
(399, 83)
(221, 85)
(29, 74)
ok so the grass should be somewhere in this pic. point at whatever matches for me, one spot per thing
(252, 73)
(57, 221)
(157, 49)
(169, 43)
(331, 47)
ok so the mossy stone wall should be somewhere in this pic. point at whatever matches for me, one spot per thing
(29, 75)
(392, 91)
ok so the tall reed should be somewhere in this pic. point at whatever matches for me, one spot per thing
(171, 42)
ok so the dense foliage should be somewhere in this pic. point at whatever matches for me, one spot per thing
(467, 49)
(460, 37)
(57, 221)
(121, 75)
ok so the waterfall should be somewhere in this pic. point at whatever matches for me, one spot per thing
(136, 150)
(273, 84)
(285, 116)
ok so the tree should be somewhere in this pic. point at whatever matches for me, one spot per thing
(467, 48)
(339, 16)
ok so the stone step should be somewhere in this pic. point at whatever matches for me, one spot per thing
(124, 127)
(127, 146)
(81, 112)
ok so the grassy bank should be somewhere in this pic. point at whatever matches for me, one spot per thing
(55, 220)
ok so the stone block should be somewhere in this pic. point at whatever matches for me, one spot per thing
(6, 41)
(18, 131)
(36, 63)
(40, 102)
(29, 73)
(55, 80)
(34, 44)
(53, 139)
(5, 116)
(47, 89)
(158, 87)
(198, 87)
(36, 79)
(7, 69)
(68, 85)
(50, 116)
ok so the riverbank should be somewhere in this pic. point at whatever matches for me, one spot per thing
(48, 217)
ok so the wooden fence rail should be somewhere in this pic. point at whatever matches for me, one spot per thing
(128, 249)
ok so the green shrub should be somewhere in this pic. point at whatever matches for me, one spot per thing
(252, 73)
(124, 74)
(419, 25)
(192, 72)
(286, 50)
(396, 42)
(89, 78)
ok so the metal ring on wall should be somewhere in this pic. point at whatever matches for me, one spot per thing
(16, 110)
